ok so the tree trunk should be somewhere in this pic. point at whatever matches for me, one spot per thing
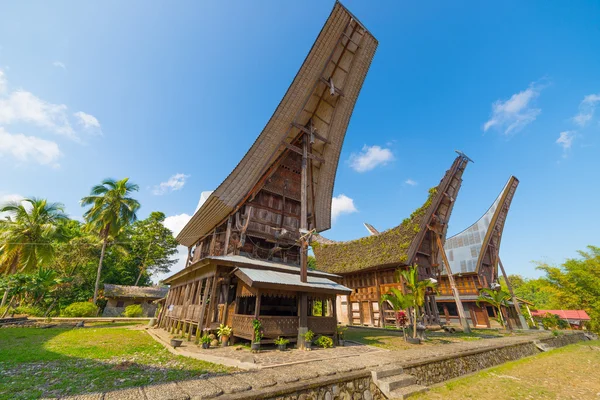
(8, 307)
(104, 242)
(4, 297)
(415, 322)
(51, 307)
(139, 276)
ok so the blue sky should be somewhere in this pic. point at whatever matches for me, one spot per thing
(180, 90)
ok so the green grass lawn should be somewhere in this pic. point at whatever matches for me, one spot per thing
(570, 372)
(50, 362)
(393, 340)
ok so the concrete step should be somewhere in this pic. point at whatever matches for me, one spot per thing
(384, 372)
(407, 391)
(391, 383)
(543, 346)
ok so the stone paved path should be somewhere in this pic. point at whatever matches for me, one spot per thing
(251, 384)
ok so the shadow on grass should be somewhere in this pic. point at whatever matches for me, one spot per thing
(54, 362)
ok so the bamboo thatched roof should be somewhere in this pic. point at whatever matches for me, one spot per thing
(396, 246)
(341, 55)
(138, 292)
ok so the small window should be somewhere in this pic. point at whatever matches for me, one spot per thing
(120, 303)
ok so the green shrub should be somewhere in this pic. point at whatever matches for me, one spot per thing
(324, 342)
(134, 310)
(81, 309)
(29, 310)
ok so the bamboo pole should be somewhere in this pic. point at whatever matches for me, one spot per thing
(512, 295)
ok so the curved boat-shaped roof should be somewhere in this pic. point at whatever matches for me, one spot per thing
(396, 246)
(480, 242)
(322, 95)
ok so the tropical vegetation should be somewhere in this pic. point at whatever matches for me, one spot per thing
(497, 299)
(418, 289)
(49, 261)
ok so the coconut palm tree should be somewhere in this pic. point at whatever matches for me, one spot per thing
(27, 234)
(418, 289)
(495, 298)
(111, 210)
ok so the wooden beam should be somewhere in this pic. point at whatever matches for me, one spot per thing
(336, 90)
(461, 311)
(227, 234)
(514, 298)
(308, 132)
(206, 284)
(299, 151)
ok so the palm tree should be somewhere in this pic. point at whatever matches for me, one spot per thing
(495, 298)
(111, 210)
(399, 301)
(418, 289)
(27, 234)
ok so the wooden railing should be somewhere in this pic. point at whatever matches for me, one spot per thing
(322, 325)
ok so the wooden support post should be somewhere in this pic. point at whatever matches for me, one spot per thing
(303, 298)
(461, 311)
(512, 295)
(212, 243)
(378, 294)
(226, 294)
(207, 283)
(349, 310)
(213, 300)
(227, 234)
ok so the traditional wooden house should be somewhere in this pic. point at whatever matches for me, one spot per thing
(367, 265)
(473, 255)
(119, 297)
(248, 241)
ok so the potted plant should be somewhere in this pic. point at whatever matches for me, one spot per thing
(205, 340)
(308, 338)
(176, 342)
(281, 343)
(340, 334)
(224, 333)
(257, 326)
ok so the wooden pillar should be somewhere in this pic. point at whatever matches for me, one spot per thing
(201, 326)
(461, 312)
(227, 234)
(228, 284)
(378, 294)
(257, 305)
(512, 295)
(349, 310)
(213, 306)
(303, 298)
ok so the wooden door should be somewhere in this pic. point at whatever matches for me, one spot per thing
(480, 316)
(366, 313)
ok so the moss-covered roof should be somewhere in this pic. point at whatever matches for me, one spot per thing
(388, 248)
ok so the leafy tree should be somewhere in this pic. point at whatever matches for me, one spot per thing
(418, 289)
(152, 245)
(311, 263)
(111, 210)
(27, 234)
(495, 298)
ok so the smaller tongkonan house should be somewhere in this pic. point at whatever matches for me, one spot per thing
(368, 265)
(248, 242)
(119, 297)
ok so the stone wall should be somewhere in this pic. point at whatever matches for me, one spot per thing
(434, 371)
(361, 388)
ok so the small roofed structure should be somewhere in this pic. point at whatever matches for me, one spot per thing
(248, 242)
(368, 264)
(575, 318)
(120, 296)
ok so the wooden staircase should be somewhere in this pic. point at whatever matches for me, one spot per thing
(395, 384)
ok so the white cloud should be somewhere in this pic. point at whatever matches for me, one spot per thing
(22, 106)
(587, 107)
(566, 141)
(514, 114)
(88, 121)
(3, 82)
(176, 223)
(29, 148)
(8, 198)
(370, 157)
(59, 64)
(342, 204)
(176, 182)
(411, 182)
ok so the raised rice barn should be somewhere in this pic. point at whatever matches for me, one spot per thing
(248, 242)
(367, 265)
